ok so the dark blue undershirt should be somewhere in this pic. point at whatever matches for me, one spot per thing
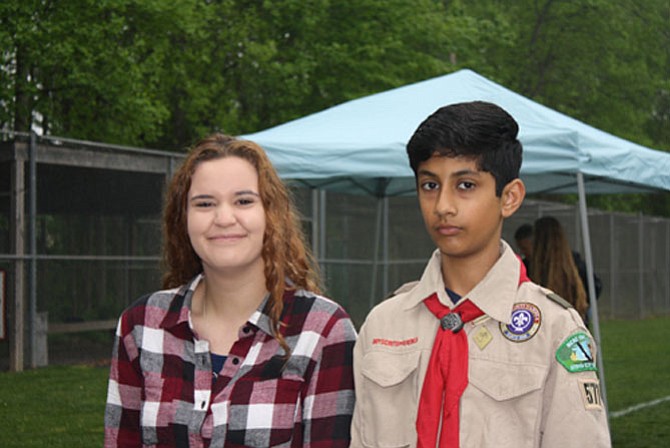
(453, 296)
(217, 362)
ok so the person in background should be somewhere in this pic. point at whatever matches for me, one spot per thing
(240, 348)
(523, 236)
(474, 354)
(557, 267)
(524, 241)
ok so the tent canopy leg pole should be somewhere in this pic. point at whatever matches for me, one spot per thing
(379, 216)
(385, 246)
(595, 322)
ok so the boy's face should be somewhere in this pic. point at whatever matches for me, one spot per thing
(460, 208)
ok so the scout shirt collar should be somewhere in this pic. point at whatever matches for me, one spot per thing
(431, 282)
(495, 294)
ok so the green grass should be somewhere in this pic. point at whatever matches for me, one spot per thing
(636, 355)
(53, 407)
(63, 406)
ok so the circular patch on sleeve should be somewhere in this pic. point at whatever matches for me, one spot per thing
(526, 320)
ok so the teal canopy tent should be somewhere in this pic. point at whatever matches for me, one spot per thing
(359, 147)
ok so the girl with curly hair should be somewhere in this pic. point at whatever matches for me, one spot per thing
(240, 348)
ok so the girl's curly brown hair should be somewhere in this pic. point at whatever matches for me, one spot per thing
(288, 262)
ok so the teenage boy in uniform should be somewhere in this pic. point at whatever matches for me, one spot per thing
(474, 354)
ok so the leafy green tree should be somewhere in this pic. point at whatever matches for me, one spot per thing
(87, 69)
(604, 62)
(295, 57)
(161, 74)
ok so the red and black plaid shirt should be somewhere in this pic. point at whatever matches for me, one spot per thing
(161, 391)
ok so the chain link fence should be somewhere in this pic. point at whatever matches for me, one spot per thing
(92, 245)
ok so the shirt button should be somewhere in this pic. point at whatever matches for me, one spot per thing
(246, 330)
(236, 361)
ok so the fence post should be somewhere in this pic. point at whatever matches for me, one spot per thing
(614, 292)
(17, 279)
(667, 265)
(314, 193)
(322, 213)
(41, 349)
(32, 233)
(640, 265)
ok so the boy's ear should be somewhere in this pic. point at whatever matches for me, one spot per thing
(512, 196)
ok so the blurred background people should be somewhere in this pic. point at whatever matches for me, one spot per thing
(524, 243)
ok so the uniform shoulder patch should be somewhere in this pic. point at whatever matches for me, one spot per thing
(558, 299)
(576, 353)
(525, 321)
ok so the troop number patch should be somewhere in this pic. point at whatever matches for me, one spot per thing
(590, 391)
(526, 320)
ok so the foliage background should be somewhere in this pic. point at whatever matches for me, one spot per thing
(159, 74)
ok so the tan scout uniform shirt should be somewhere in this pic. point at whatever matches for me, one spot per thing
(518, 394)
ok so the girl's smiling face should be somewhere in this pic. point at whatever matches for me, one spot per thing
(225, 216)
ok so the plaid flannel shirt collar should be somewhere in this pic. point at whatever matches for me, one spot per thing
(181, 309)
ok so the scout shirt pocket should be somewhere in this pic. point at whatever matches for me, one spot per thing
(390, 395)
(504, 403)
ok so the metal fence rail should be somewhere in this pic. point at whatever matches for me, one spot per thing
(80, 239)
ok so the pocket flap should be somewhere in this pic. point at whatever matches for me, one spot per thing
(505, 381)
(388, 369)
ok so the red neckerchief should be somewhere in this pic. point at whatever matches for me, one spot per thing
(447, 374)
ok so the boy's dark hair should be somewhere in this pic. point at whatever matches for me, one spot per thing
(523, 231)
(479, 130)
